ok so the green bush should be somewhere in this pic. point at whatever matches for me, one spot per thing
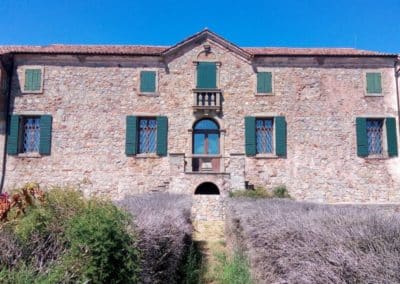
(260, 192)
(280, 192)
(232, 270)
(191, 269)
(69, 239)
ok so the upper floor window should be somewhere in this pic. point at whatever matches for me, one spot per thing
(265, 135)
(148, 81)
(374, 83)
(206, 75)
(264, 82)
(33, 80)
(147, 135)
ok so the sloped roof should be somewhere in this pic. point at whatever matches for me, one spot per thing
(165, 50)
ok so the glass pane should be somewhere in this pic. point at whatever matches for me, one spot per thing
(264, 135)
(198, 147)
(147, 135)
(206, 124)
(213, 144)
(31, 135)
(374, 134)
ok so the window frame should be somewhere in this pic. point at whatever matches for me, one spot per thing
(23, 75)
(206, 132)
(156, 91)
(265, 70)
(21, 136)
(273, 153)
(384, 153)
(366, 93)
(144, 154)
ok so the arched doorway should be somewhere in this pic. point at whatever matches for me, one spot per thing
(207, 188)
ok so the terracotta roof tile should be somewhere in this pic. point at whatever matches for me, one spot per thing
(157, 50)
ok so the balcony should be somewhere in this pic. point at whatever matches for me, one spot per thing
(207, 100)
(204, 164)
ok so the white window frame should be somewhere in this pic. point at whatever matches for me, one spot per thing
(22, 82)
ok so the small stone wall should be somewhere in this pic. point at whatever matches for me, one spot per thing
(208, 208)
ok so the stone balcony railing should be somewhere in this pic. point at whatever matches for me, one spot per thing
(204, 164)
(207, 100)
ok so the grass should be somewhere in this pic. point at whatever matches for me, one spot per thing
(232, 269)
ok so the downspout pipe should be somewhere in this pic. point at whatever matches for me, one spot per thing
(397, 78)
(7, 120)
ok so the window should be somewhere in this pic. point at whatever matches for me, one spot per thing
(206, 75)
(265, 135)
(374, 83)
(148, 82)
(376, 137)
(206, 137)
(264, 82)
(29, 134)
(147, 135)
(33, 80)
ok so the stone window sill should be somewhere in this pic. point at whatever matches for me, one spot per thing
(156, 94)
(266, 156)
(374, 95)
(147, 156)
(264, 94)
(29, 155)
(376, 157)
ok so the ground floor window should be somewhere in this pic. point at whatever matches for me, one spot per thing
(375, 136)
(147, 135)
(30, 134)
(265, 135)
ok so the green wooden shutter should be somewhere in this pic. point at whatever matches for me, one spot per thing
(391, 134)
(250, 135)
(362, 139)
(45, 135)
(280, 136)
(374, 84)
(33, 79)
(148, 81)
(264, 82)
(13, 133)
(162, 135)
(207, 75)
(131, 136)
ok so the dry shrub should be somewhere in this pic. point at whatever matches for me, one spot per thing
(163, 223)
(294, 242)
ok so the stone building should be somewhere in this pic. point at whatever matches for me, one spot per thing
(202, 116)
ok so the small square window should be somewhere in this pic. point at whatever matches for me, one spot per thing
(265, 135)
(374, 83)
(148, 82)
(30, 135)
(33, 80)
(264, 82)
(147, 135)
(375, 136)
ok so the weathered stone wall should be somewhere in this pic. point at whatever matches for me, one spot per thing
(89, 98)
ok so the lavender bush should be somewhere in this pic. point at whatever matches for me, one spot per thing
(295, 242)
(162, 221)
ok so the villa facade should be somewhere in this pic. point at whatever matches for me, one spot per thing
(119, 120)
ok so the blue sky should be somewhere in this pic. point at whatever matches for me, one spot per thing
(367, 24)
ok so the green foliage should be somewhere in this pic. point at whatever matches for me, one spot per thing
(99, 235)
(191, 268)
(68, 239)
(260, 192)
(232, 270)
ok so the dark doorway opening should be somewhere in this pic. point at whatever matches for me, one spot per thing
(207, 188)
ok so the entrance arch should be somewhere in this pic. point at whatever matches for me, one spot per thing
(207, 188)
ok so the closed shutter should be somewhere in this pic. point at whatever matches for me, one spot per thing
(148, 81)
(162, 135)
(45, 134)
(264, 82)
(391, 133)
(33, 79)
(362, 139)
(13, 133)
(250, 135)
(206, 75)
(131, 135)
(280, 136)
(374, 84)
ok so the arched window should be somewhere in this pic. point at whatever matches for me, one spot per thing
(206, 137)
